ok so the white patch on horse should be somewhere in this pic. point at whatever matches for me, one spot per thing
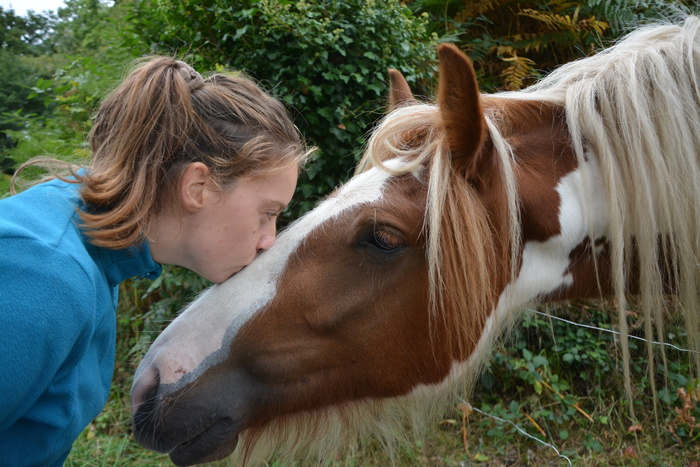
(200, 337)
(545, 265)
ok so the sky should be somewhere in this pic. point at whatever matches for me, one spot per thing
(21, 6)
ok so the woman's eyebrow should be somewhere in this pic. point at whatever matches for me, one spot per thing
(277, 203)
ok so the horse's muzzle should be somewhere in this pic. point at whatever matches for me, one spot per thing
(195, 423)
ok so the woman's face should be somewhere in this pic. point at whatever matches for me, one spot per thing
(234, 226)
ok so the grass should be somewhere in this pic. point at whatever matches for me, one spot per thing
(558, 382)
(592, 445)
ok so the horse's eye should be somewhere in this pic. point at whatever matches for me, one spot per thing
(385, 241)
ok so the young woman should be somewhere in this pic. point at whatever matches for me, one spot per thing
(185, 171)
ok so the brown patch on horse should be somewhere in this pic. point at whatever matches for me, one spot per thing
(590, 277)
(591, 280)
(539, 137)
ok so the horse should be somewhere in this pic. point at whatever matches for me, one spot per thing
(371, 311)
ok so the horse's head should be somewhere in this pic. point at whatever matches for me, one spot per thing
(383, 289)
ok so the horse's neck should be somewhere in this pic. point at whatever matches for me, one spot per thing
(564, 229)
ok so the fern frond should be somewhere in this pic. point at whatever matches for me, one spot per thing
(514, 75)
(554, 21)
(474, 8)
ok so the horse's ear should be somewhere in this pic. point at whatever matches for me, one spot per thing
(399, 92)
(460, 109)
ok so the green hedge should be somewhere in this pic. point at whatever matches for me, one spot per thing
(327, 59)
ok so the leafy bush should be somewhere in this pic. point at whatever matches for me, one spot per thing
(327, 59)
(22, 42)
(549, 376)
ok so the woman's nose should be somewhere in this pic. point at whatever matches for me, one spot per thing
(267, 239)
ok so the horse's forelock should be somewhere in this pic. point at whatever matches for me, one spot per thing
(409, 132)
(470, 255)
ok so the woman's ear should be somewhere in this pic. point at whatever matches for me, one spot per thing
(193, 185)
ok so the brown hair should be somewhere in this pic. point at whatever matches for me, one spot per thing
(163, 117)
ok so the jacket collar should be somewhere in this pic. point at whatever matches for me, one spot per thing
(135, 261)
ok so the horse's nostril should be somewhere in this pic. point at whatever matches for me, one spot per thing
(144, 392)
(143, 409)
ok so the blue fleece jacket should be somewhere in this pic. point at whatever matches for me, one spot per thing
(58, 296)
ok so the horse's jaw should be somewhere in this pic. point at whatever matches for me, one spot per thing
(203, 448)
(208, 442)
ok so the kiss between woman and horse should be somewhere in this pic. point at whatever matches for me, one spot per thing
(373, 311)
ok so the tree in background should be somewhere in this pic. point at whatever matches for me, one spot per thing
(54, 69)
(23, 40)
(326, 59)
(26, 35)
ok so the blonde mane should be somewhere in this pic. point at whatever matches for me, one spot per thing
(636, 107)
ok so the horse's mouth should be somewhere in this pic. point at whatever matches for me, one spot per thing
(213, 444)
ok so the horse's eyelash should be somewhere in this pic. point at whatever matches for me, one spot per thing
(387, 237)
